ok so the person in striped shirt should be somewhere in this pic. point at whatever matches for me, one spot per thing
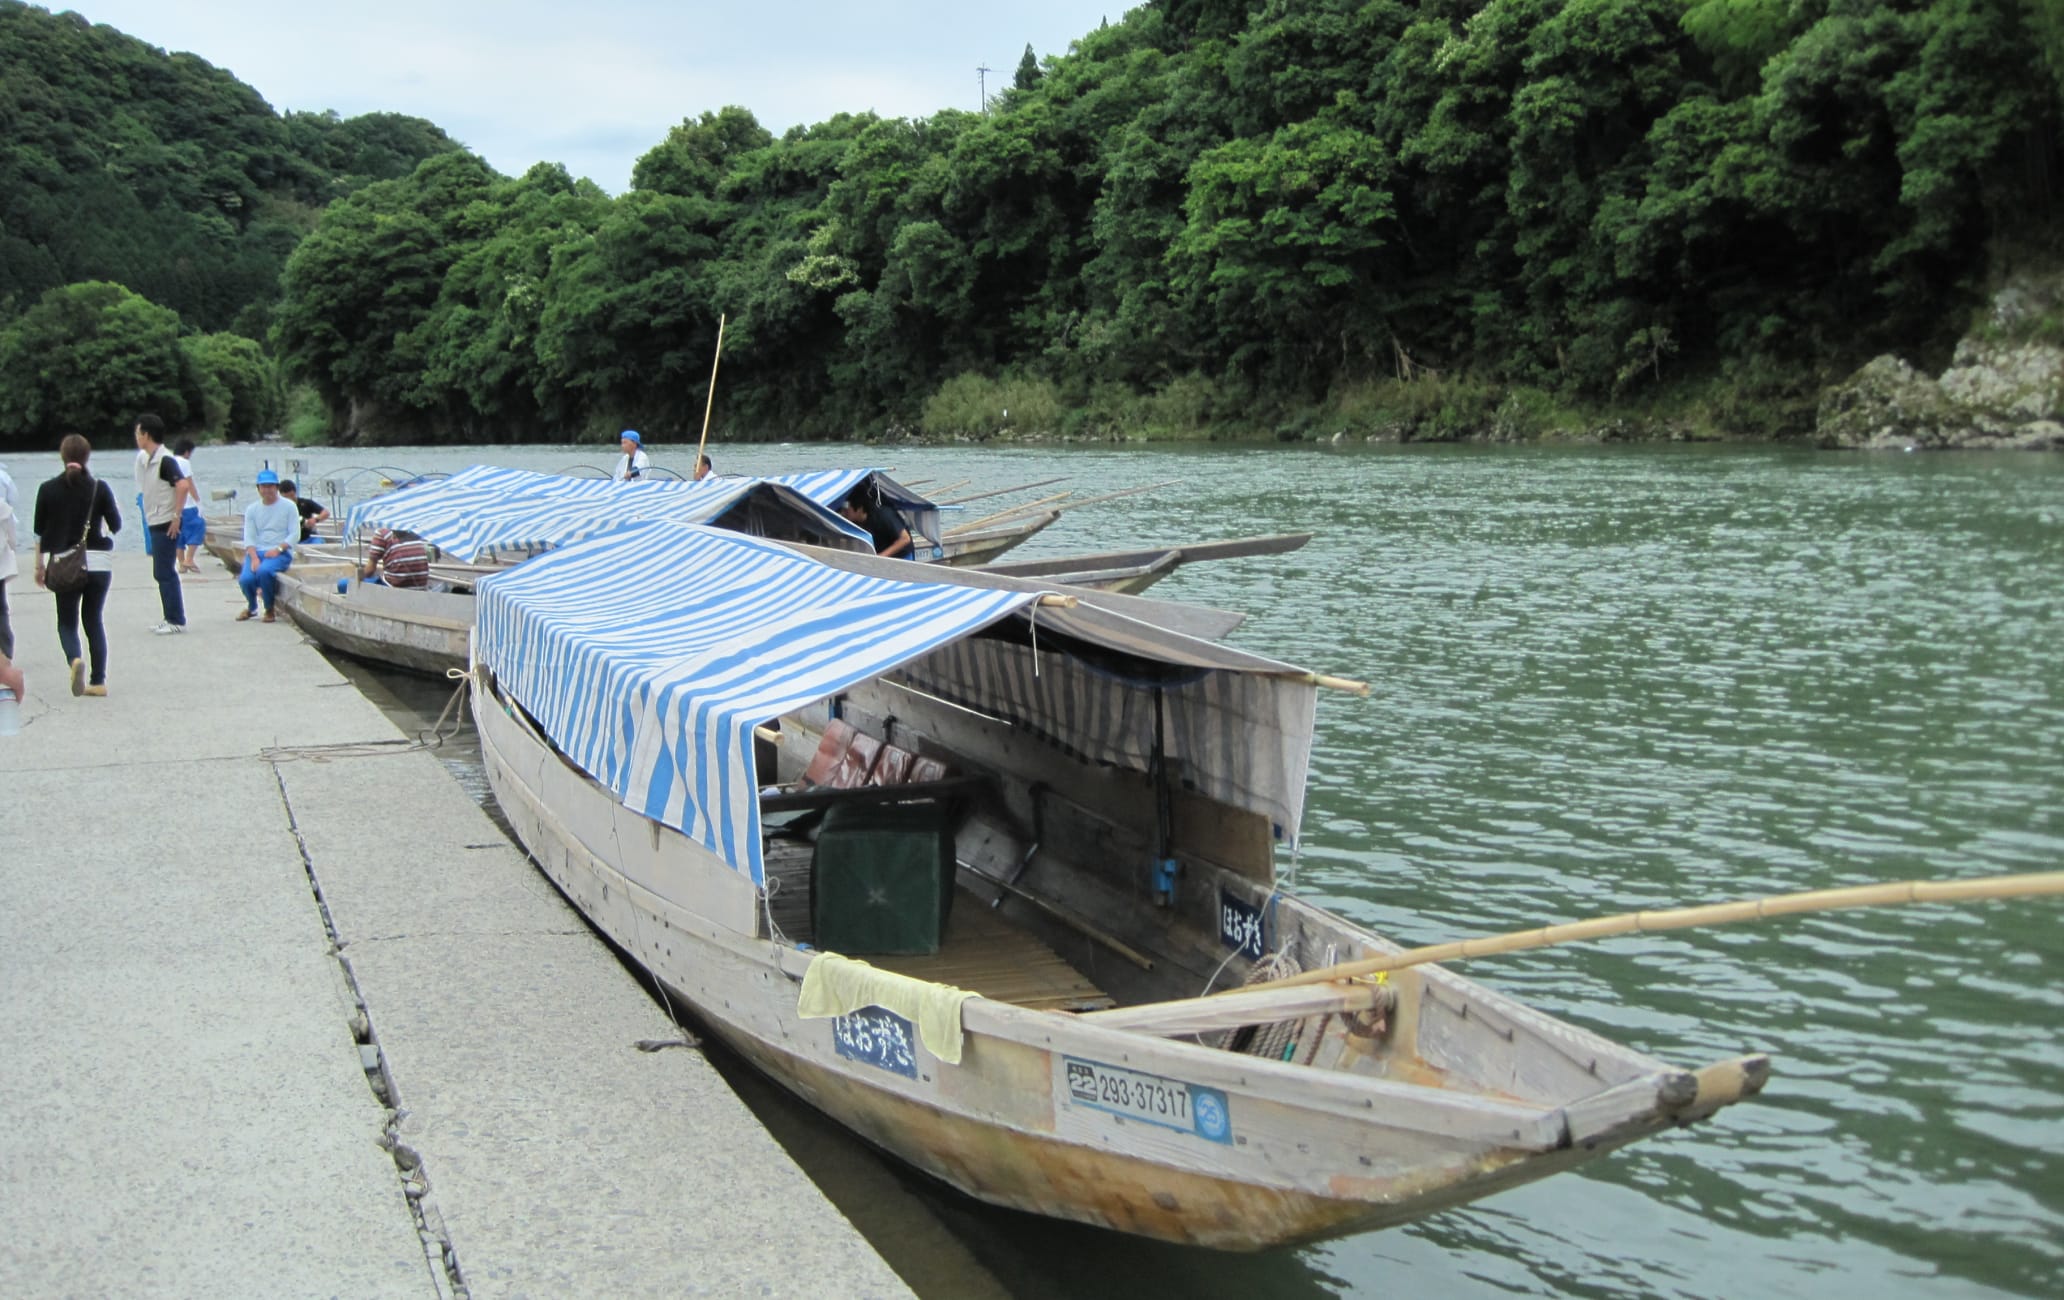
(396, 559)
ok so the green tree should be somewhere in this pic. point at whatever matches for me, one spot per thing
(696, 154)
(629, 322)
(1028, 73)
(480, 341)
(86, 358)
(1280, 243)
(243, 380)
(358, 289)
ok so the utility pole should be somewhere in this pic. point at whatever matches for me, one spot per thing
(983, 74)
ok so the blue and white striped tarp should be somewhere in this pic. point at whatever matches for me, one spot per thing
(475, 486)
(649, 655)
(483, 509)
(830, 487)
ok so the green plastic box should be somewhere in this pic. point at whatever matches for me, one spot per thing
(881, 881)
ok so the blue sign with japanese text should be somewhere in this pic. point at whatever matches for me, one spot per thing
(878, 1037)
(1240, 927)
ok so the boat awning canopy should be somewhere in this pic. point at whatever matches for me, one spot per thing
(486, 509)
(649, 655)
(830, 487)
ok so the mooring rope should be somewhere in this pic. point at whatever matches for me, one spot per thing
(450, 721)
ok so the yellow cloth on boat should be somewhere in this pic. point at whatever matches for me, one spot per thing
(837, 986)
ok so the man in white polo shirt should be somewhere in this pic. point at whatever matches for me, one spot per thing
(166, 489)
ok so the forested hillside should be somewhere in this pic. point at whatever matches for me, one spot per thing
(121, 165)
(1431, 219)
(1449, 216)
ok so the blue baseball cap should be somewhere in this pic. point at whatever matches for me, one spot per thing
(630, 435)
(268, 476)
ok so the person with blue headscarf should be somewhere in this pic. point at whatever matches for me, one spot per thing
(633, 464)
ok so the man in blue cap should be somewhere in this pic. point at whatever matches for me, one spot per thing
(271, 523)
(633, 463)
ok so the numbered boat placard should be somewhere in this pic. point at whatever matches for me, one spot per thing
(878, 1037)
(1093, 1086)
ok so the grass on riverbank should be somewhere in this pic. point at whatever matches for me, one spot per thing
(307, 423)
(1743, 402)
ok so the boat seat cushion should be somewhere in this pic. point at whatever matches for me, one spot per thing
(830, 749)
(843, 759)
(892, 768)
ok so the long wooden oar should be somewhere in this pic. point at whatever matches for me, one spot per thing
(1282, 999)
(1754, 909)
(997, 492)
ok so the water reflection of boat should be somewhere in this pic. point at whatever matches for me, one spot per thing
(1068, 814)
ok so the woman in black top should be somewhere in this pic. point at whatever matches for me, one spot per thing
(73, 503)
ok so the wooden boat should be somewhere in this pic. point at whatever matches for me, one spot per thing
(982, 545)
(427, 631)
(225, 541)
(1112, 793)
(421, 631)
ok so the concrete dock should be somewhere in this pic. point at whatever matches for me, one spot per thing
(287, 1015)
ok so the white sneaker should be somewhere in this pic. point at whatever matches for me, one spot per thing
(168, 629)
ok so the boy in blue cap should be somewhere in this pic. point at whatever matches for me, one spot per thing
(633, 464)
(271, 523)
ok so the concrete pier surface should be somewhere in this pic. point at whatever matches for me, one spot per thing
(236, 910)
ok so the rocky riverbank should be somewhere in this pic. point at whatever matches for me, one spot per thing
(2004, 388)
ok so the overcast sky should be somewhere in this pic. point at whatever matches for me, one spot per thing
(594, 86)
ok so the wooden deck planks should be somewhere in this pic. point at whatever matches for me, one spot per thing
(982, 952)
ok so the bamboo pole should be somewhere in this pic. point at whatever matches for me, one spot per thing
(1033, 507)
(1754, 909)
(1113, 496)
(1005, 514)
(997, 492)
(711, 403)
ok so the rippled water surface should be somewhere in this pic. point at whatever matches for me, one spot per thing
(1607, 679)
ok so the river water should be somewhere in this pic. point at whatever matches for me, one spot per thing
(1606, 679)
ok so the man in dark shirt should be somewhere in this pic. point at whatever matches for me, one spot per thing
(884, 525)
(312, 512)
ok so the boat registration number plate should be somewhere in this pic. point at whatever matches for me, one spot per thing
(1170, 1103)
(875, 1036)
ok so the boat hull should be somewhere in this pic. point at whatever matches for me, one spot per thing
(423, 632)
(1303, 1154)
(981, 545)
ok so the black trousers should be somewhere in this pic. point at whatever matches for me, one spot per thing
(164, 557)
(76, 607)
